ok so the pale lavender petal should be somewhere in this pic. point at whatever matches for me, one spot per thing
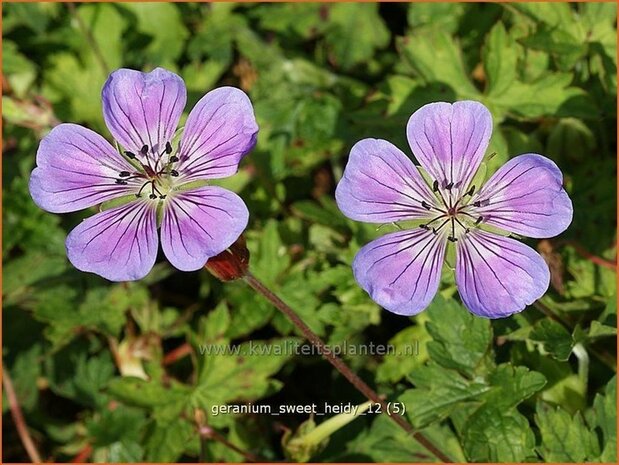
(220, 130)
(450, 141)
(526, 196)
(143, 108)
(199, 224)
(401, 271)
(76, 169)
(381, 185)
(498, 276)
(119, 244)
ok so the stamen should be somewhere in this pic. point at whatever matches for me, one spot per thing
(124, 174)
(168, 148)
(144, 149)
(130, 154)
(481, 203)
(122, 182)
(152, 196)
(175, 173)
(471, 191)
(139, 194)
(436, 230)
(453, 239)
(424, 226)
(449, 186)
(173, 159)
(479, 220)
(435, 186)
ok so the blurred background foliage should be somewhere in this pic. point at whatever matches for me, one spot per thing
(112, 372)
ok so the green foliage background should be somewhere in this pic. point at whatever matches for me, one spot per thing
(539, 386)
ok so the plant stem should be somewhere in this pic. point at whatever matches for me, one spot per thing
(18, 418)
(208, 433)
(340, 366)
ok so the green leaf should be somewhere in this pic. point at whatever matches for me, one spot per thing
(560, 98)
(438, 392)
(605, 408)
(386, 442)
(147, 394)
(500, 57)
(163, 23)
(496, 435)
(461, 340)
(565, 438)
(512, 385)
(409, 352)
(434, 56)
(557, 341)
(168, 439)
(348, 47)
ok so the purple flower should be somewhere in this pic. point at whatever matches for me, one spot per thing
(154, 181)
(496, 275)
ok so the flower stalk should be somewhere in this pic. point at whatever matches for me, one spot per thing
(18, 419)
(340, 366)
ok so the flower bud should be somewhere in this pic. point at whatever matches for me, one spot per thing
(230, 264)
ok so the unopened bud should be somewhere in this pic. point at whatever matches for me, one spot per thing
(232, 263)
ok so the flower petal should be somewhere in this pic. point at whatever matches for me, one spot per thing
(498, 276)
(76, 169)
(119, 244)
(450, 140)
(143, 108)
(201, 223)
(381, 185)
(526, 196)
(401, 271)
(220, 130)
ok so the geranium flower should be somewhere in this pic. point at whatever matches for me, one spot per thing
(154, 182)
(496, 275)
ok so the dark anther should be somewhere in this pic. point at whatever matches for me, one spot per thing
(435, 186)
(130, 154)
(471, 190)
(479, 220)
(138, 195)
(168, 148)
(144, 149)
(124, 174)
(173, 173)
(426, 205)
(434, 231)
(163, 196)
(424, 226)
(152, 196)
(122, 182)
(481, 203)
(452, 239)
(173, 159)
(449, 186)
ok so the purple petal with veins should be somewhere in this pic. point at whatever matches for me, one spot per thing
(401, 271)
(201, 223)
(526, 196)
(220, 130)
(143, 109)
(381, 185)
(498, 276)
(76, 169)
(119, 244)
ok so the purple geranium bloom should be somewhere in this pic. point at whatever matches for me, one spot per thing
(496, 275)
(154, 182)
